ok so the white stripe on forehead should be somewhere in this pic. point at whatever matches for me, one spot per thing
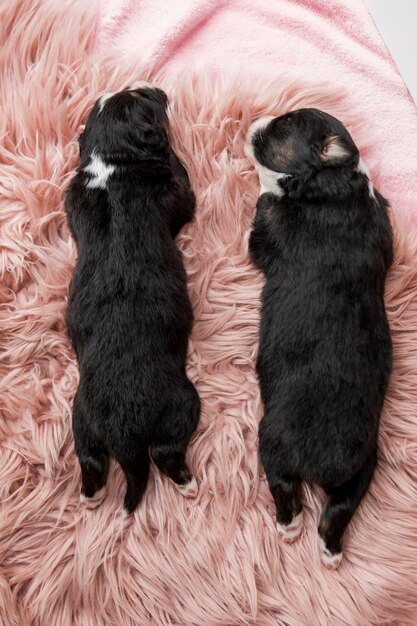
(106, 96)
(268, 179)
(141, 84)
(255, 126)
(258, 125)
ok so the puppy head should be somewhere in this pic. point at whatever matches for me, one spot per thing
(127, 126)
(300, 142)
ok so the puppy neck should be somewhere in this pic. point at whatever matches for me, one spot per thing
(98, 172)
(328, 184)
(101, 169)
(270, 181)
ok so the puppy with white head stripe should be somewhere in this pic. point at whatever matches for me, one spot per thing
(323, 239)
(268, 179)
(129, 314)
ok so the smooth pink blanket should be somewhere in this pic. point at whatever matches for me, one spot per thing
(320, 41)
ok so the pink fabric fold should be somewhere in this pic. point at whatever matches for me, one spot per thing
(333, 41)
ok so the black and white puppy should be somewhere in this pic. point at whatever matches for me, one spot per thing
(322, 237)
(129, 314)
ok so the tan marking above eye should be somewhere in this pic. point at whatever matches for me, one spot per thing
(284, 150)
(134, 94)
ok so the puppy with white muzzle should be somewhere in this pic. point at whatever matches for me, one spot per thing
(129, 314)
(322, 238)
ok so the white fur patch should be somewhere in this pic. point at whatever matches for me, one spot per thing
(292, 531)
(268, 179)
(329, 560)
(95, 500)
(99, 171)
(102, 101)
(140, 84)
(109, 94)
(362, 169)
(258, 125)
(189, 490)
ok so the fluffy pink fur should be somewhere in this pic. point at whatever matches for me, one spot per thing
(218, 560)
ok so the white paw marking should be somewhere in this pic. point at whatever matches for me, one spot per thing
(189, 490)
(269, 179)
(95, 500)
(99, 171)
(102, 101)
(329, 560)
(362, 169)
(292, 531)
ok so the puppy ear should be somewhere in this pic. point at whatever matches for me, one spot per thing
(337, 151)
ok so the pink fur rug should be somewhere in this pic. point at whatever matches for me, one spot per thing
(217, 561)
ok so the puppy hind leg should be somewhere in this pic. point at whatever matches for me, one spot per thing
(168, 452)
(286, 493)
(342, 503)
(93, 458)
(170, 460)
(94, 471)
(285, 490)
(136, 471)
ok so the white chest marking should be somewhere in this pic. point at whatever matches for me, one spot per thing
(99, 171)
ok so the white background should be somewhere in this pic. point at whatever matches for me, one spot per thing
(396, 20)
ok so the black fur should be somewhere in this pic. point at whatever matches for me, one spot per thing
(325, 350)
(129, 314)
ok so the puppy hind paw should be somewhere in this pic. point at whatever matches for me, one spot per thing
(330, 560)
(95, 500)
(125, 514)
(190, 489)
(290, 532)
